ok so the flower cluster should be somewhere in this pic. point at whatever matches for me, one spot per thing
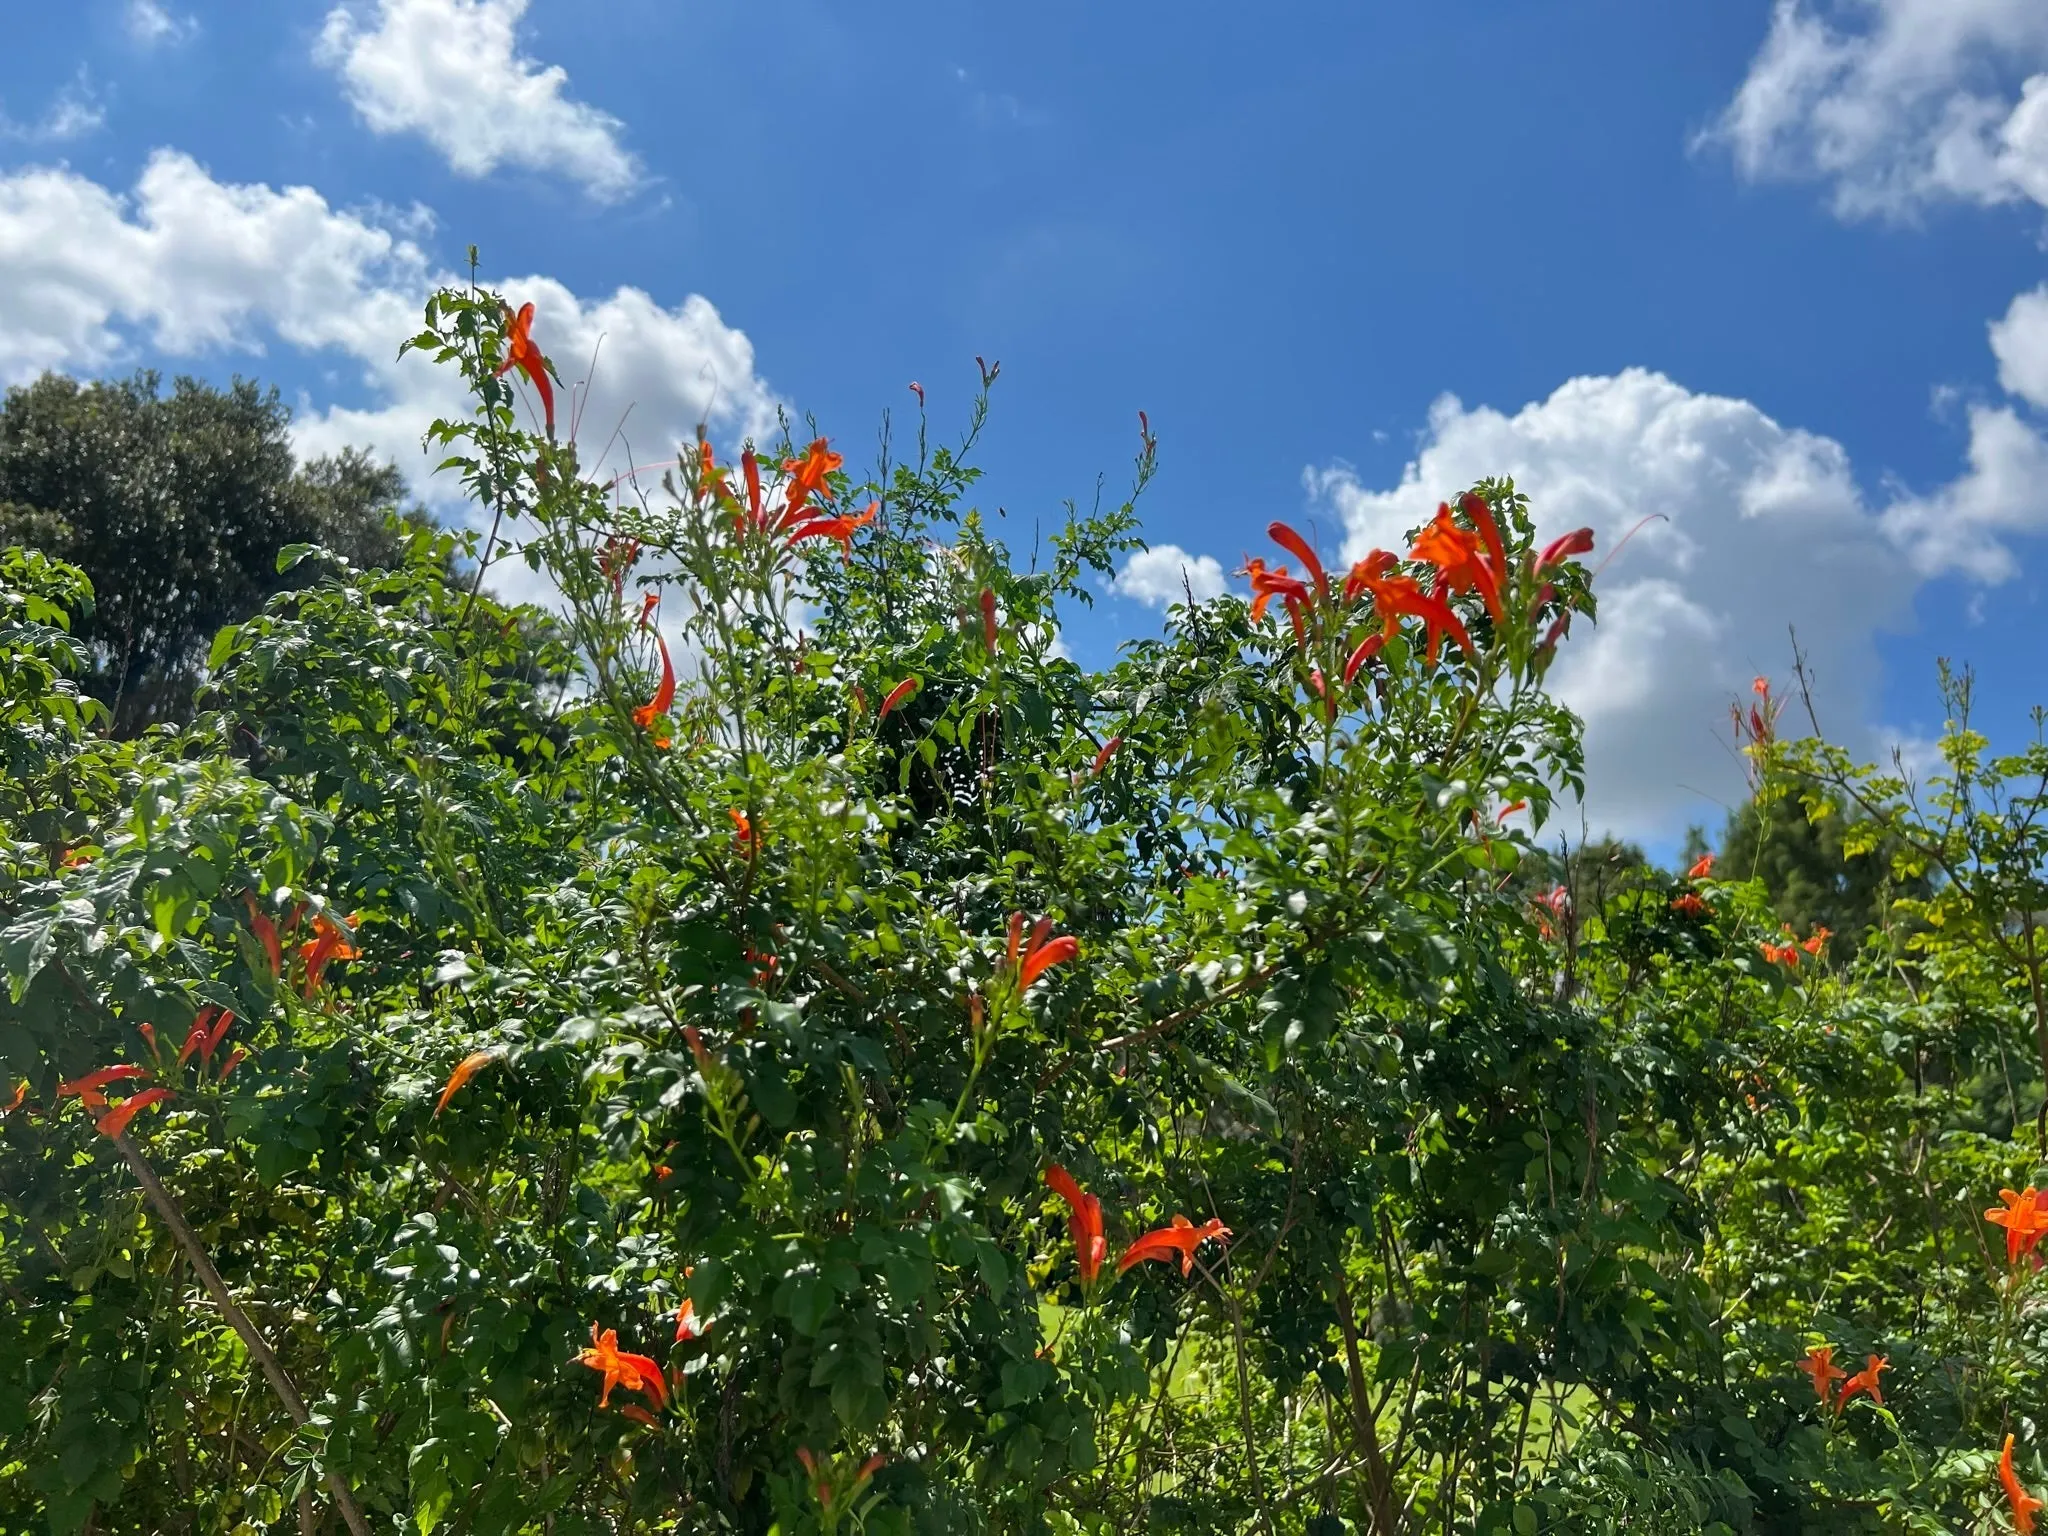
(1178, 1239)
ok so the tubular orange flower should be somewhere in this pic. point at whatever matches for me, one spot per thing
(20, 1097)
(750, 467)
(1475, 508)
(88, 1090)
(1780, 954)
(2022, 1502)
(841, 528)
(330, 942)
(636, 1373)
(2025, 1219)
(1865, 1380)
(266, 934)
(1689, 903)
(465, 1069)
(235, 1059)
(1084, 1222)
(521, 353)
(1817, 941)
(1303, 551)
(115, 1121)
(1821, 1369)
(742, 832)
(917, 389)
(1043, 952)
(1375, 567)
(664, 691)
(1102, 757)
(807, 474)
(1703, 870)
(1578, 542)
(1183, 1237)
(1368, 648)
(988, 618)
(897, 695)
(1455, 553)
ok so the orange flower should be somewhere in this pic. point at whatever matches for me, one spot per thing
(1820, 1367)
(521, 353)
(897, 695)
(1780, 954)
(1456, 553)
(686, 1320)
(636, 1373)
(840, 527)
(1301, 549)
(988, 618)
(115, 1120)
(465, 1069)
(1578, 542)
(205, 1036)
(87, 1089)
(1703, 870)
(1393, 596)
(750, 467)
(807, 474)
(2023, 1503)
(2025, 1219)
(1864, 1380)
(235, 1059)
(1368, 648)
(1084, 1221)
(330, 942)
(1817, 941)
(1690, 904)
(20, 1097)
(1103, 756)
(742, 832)
(266, 934)
(1033, 960)
(664, 692)
(639, 1415)
(1183, 1238)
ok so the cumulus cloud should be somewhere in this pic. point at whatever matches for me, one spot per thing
(2020, 343)
(150, 24)
(196, 267)
(1920, 101)
(1765, 528)
(451, 71)
(75, 112)
(1166, 574)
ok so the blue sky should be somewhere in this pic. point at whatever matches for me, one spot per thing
(1769, 241)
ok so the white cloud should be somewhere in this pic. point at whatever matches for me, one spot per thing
(1165, 574)
(2020, 342)
(1924, 100)
(1963, 526)
(450, 71)
(74, 113)
(197, 267)
(1766, 529)
(150, 24)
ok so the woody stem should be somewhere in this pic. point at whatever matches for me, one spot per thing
(252, 1339)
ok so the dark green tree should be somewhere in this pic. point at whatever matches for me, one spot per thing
(176, 506)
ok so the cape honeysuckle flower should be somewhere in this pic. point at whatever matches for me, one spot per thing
(20, 1098)
(687, 1326)
(1557, 901)
(617, 558)
(1031, 961)
(1268, 584)
(1817, 941)
(148, 1033)
(2025, 1219)
(988, 618)
(88, 1089)
(1106, 752)
(1303, 551)
(115, 1120)
(840, 527)
(1689, 903)
(1703, 870)
(917, 389)
(636, 1373)
(521, 353)
(1395, 596)
(1821, 1369)
(1578, 542)
(807, 474)
(330, 942)
(1183, 1237)
(266, 934)
(1367, 648)
(742, 832)
(205, 1035)
(1084, 1222)
(1760, 727)
(75, 858)
(1464, 560)
(235, 1059)
(664, 694)
(897, 695)
(1864, 1380)
(465, 1069)
(1780, 954)
(2022, 1502)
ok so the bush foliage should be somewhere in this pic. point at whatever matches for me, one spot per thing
(774, 1044)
